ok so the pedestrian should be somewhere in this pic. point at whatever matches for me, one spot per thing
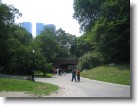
(60, 71)
(64, 71)
(73, 75)
(57, 71)
(78, 75)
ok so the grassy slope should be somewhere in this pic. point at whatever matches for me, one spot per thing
(119, 74)
(37, 88)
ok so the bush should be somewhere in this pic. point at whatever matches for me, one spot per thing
(20, 62)
(90, 60)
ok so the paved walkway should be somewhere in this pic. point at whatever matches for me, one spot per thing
(85, 88)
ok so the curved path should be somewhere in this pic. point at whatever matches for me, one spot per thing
(85, 88)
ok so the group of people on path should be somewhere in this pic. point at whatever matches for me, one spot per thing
(74, 74)
(60, 71)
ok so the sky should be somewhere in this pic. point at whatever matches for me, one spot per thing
(57, 12)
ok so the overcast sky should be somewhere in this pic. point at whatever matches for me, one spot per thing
(57, 12)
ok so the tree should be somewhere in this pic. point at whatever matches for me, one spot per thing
(7, 16)
(48, 44)
(65, 41)
(83, 45)
(22, 35)
(19, 53)
(107, 24)
(112, 31)
(86, 12)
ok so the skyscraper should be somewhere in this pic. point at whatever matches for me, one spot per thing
(27, 26)
(39, 28)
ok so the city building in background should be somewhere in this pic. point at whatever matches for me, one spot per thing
(39, 28)
(27, 26)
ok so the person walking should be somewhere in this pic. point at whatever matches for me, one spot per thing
(60, 71)
(73, 75)
(78, 75)
(64, 71)
(57, 71)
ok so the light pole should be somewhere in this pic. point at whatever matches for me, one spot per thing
(33, 68)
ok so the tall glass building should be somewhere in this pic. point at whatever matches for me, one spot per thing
(39, 28)
(27, 26)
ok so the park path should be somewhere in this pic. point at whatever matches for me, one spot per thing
(85, 88)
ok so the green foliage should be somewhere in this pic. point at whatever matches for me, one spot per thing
(22, 35)
(90, 60)
(7, 15)
(87, 12)
(106, 24)
(35, 88)
(19, 55)
(20, 61)
(66, 43)
(16, 45)
(83, 45)
(119, 74)
(118, 47)
(116, 23)
(48, 44)
(40, 62)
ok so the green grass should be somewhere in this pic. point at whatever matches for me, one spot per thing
(40, 75)
(119, 74)
(36, 88)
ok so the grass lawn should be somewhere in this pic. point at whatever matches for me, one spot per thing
(119, 74)
(36, 88)
(40, 75)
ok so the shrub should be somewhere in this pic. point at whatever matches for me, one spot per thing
(90, 60)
